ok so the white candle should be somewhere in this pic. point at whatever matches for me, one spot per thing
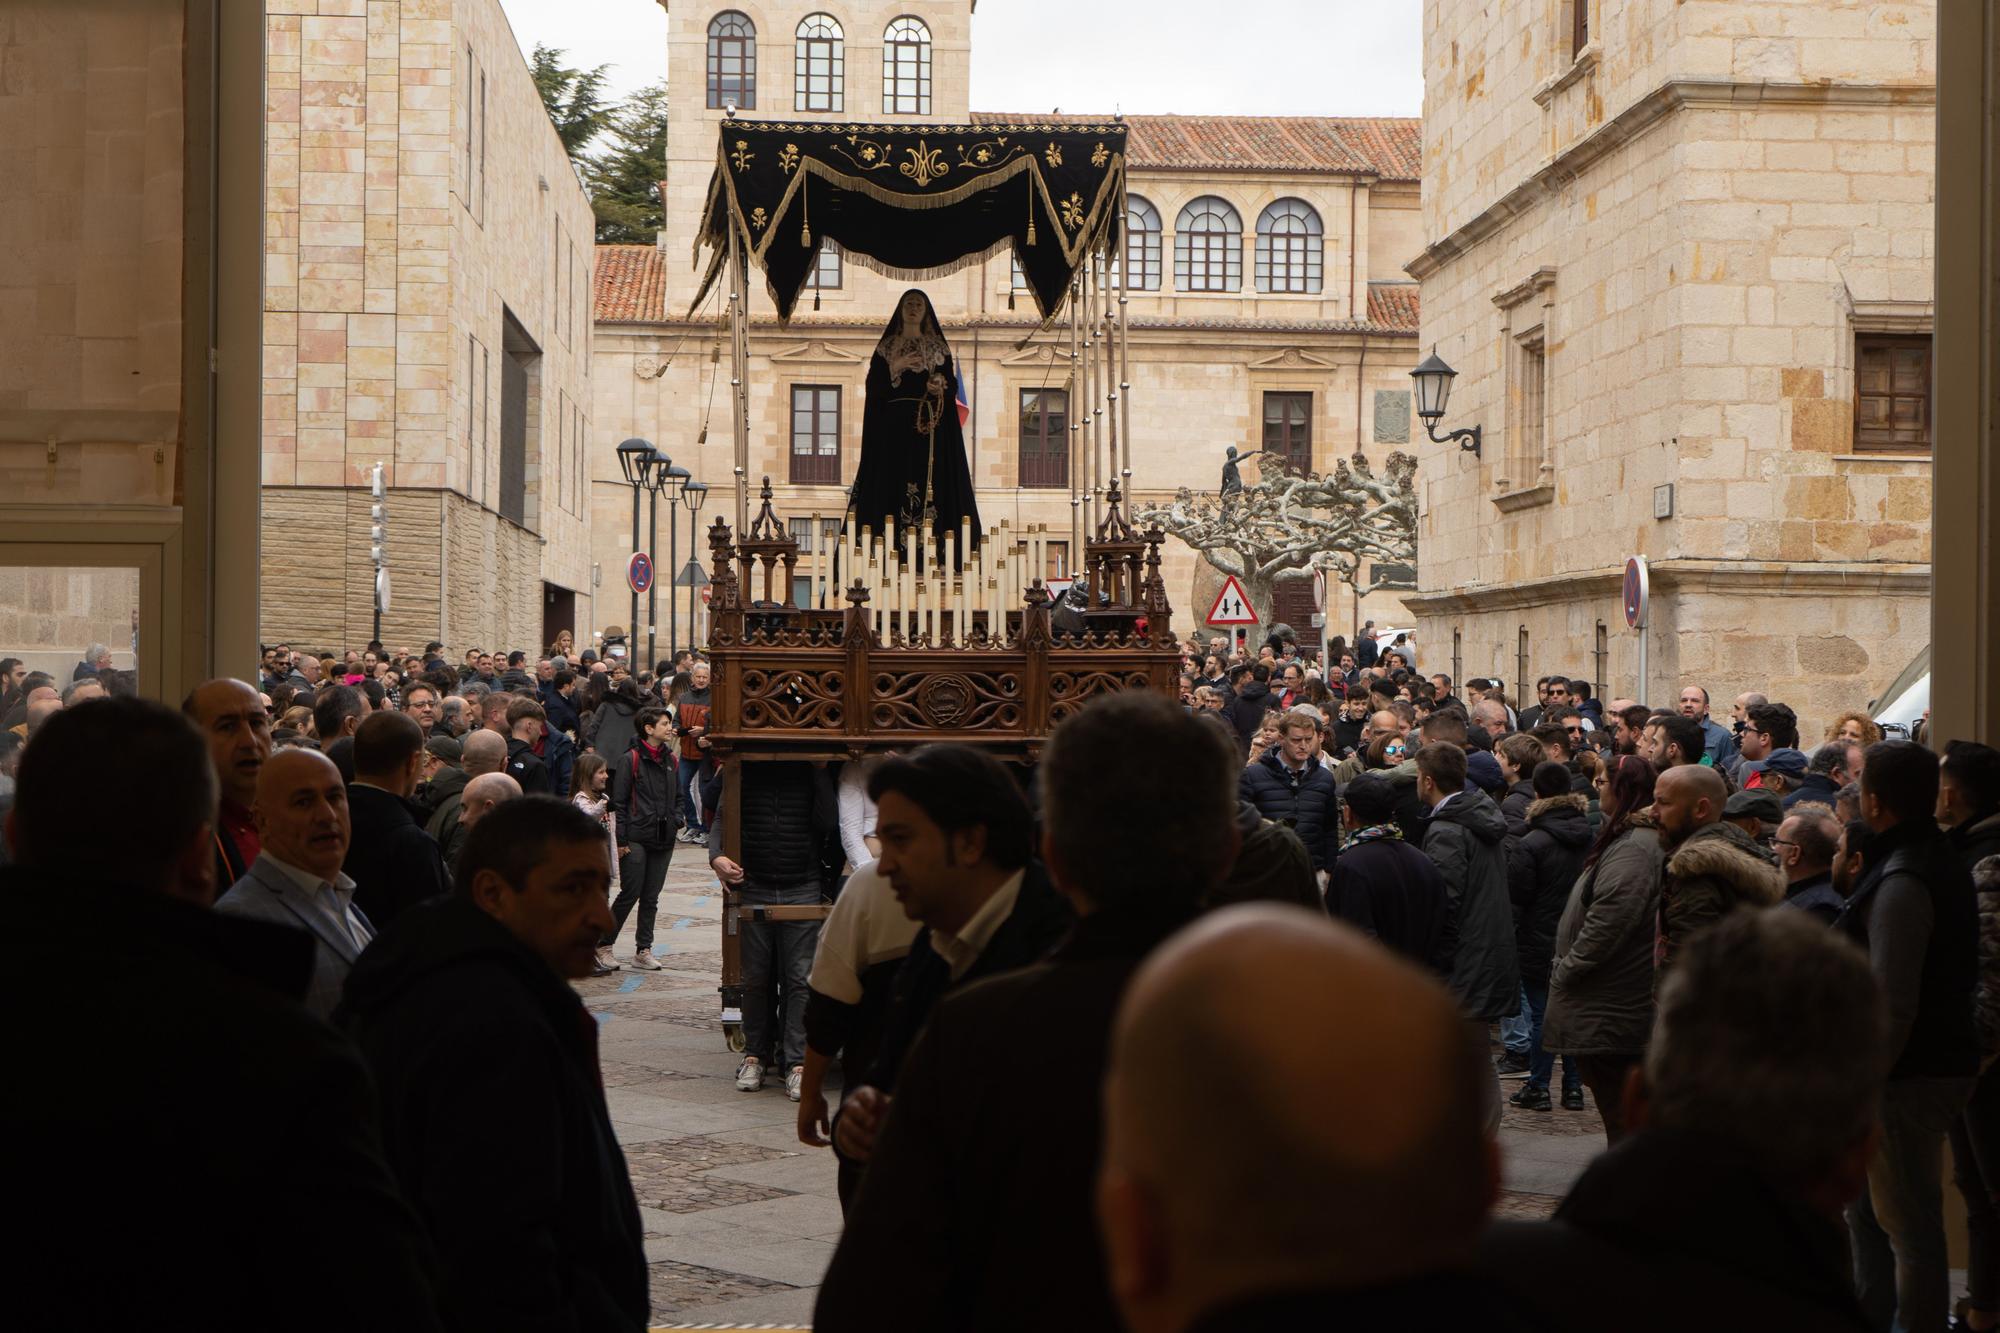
(956, 581)
(815, 574)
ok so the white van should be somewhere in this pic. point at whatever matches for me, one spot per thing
(1898, 709)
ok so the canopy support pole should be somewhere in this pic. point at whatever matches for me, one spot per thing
(1125, 348)
(739, 395)
(1073, 395)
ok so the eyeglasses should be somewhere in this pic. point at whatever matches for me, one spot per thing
(1783, 842)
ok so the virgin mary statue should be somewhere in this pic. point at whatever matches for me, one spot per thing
(913, 470)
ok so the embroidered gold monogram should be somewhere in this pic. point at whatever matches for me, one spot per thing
(926, 164)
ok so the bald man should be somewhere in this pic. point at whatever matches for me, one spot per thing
(482, 794)
(1326, 1202)
(231, 717)
(1712, 867)
(296, 880)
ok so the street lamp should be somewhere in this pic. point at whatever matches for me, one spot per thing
(692, 495)
(668, 478)
(635, 458)
(1434, 379)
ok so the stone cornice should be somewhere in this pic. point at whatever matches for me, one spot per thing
(1681, 575)
(803, 328)
(1641, 115)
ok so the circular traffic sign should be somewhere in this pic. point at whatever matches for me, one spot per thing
(1638, 591)
(639, 571)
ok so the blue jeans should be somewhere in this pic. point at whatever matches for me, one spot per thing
(1896, 1227)
(1541, 1063)
(1517, 1032)
(688, 769)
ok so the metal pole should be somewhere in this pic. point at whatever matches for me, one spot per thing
(1645, 633)
(1077, 477)
(653, 588)
(738, 433)
(632, 628)
(1124, 334)
(673, 549)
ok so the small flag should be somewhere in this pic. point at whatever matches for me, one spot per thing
(964, 408)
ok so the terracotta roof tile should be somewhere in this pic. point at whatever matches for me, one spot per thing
(1393, 305)
(629, 284)
(1389, 147)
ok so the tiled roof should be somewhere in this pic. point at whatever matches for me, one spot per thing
(1389, 147)
(629, 284)
(1393, 305)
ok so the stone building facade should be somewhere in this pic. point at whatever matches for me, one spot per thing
(1330, 362)
(427, 307)
(1680, 253)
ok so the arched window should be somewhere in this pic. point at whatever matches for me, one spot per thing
(732, 62)
(906, 68)
(1142, 245)
(1289, 247)
(819, 65)
(1208, 247)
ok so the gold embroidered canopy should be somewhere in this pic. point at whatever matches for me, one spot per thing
(915, 201)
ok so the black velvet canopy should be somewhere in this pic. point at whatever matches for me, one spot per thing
(916, 201)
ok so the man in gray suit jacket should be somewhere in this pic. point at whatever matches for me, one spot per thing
(296, 880)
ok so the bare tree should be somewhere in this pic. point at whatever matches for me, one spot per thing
(1352, 521)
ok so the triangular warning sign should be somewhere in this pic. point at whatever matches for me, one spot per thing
(1232, 606)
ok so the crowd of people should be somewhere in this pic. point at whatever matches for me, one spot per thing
(1200, 1023)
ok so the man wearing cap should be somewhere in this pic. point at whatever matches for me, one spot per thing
(1780, 774)
(443, 774)
(1757, 813)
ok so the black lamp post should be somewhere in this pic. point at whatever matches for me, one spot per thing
(1434, 379)
(635, 459)
(692, 496)
(667, 478)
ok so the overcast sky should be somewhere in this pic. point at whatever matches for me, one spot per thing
(1288, 57)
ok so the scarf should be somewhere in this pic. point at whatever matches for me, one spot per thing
(1373, 833)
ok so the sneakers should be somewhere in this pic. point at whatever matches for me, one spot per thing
(1531, 1097)
(793, 1080)
(1572, 1099)
(750, 1074)
(644, 961)
(1511, 1065)
(606, 964)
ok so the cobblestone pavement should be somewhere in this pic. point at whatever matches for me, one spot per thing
(741, 1218)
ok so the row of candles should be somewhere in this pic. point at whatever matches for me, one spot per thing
(926, 587)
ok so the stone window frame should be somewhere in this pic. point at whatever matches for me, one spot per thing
(1886, 318)
(819, 65)
(1567, 60)
(1050, 468)
(1524, 477)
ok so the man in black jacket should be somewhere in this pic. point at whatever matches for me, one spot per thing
(394, 864)
(1465, 838)
(976, 1212)
(1968, 806)
(956, 835)
(1381, 885)
(248, 1173)
(642, 798)
(525, 724)
(1246, 708)
(1542, 866)
(493, 1104)
(1914, 913)
(1289, 784)
(788, 813)
(1753, 1119)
